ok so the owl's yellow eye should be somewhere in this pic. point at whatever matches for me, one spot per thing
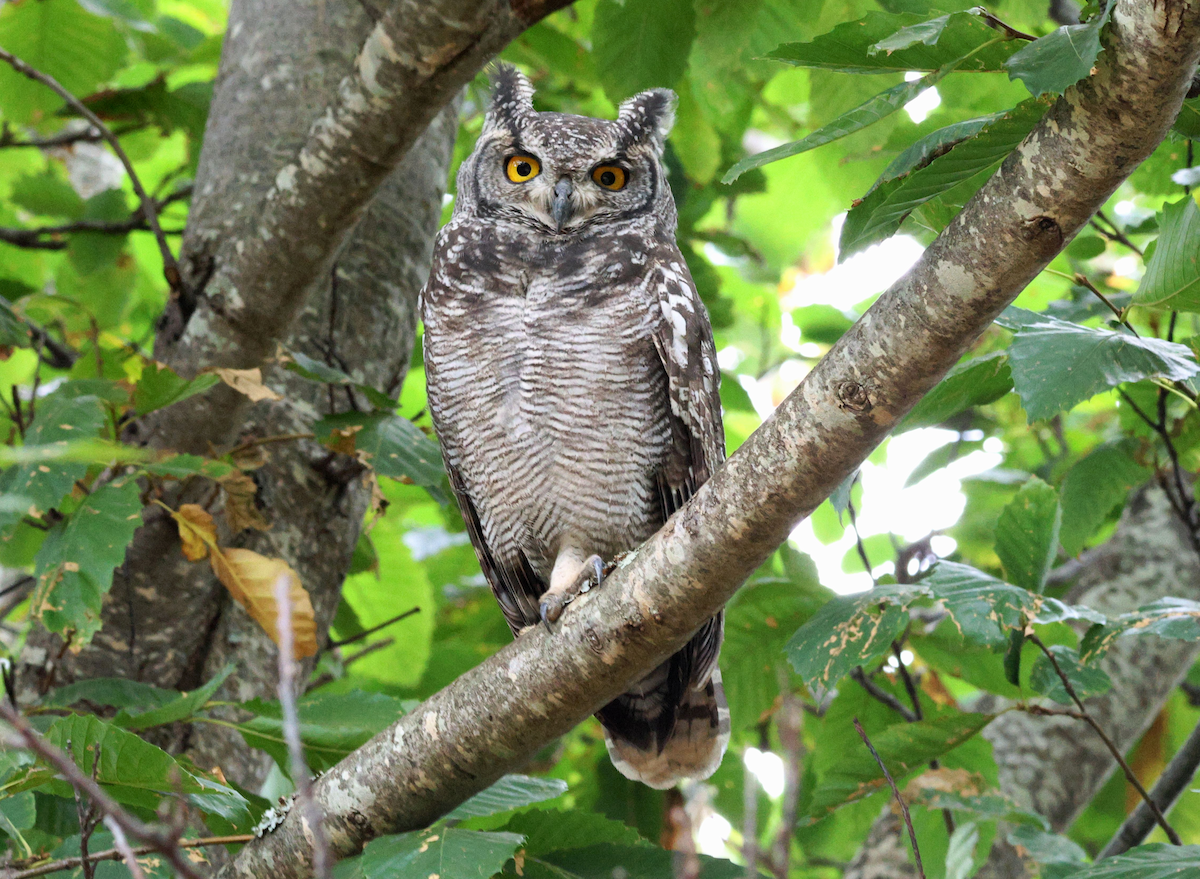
(522, 168)
(609, 176)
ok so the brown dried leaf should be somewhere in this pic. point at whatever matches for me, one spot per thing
(197, 531)
(248, 382)
(240, 510)
(343, 439)
(250, 579)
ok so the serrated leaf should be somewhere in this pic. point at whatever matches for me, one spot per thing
(848, 47)
(1172, 278)
(1087, 681)
(1092, 488)
(641, 44)
(315, 370)
(74, 567)
(971, 383)
(1154, 861)
(331, 725)
(926, 32)
(510, 792)
(901, 190)
(903, 747)
(250, 579)
(1055, 62)
(1057, 364)
(1175, 618)
(437, 851)
(868, 113)
(547, 830)
(394, 446)
(1027, 535)
(159, 386)
(113, 692)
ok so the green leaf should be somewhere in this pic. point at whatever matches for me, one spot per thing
(17, 813)
(1058, 60)
(57, 37)
(394, 445)
(159, 386)
(182, 466)
(113, 692)
(1057, 364)
(547, 830)
(91, 251)
(437, 851)
(1027, 535)
(131, 770)
(960, 855)
(510, 792)
(985, 806)
(934, 166)
(14, 332)
(627, 862)
(315, 370)
(183, 707)
(1172, 278)
(903, 747)
(971, 383)
(1087, 681)
(1092, 488)
(1157, 860)
(868, 113)
(75, 565)
(48, 195)
(852, 47)
(1175, 618)
(850, 631)
(1045, 847)
(641, 44)
(331, 725)
(926, 32)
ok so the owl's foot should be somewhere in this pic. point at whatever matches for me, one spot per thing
(556, 598)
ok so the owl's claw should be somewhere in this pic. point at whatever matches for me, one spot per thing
(554, 601)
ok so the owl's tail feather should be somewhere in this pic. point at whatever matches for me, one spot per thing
(660, 736)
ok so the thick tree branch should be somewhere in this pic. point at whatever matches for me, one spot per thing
(495, 717)
(414, 61)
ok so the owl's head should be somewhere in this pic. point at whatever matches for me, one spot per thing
(562, 174)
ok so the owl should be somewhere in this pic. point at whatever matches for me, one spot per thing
(573, 383)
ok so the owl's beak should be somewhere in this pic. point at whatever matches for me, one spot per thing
(560, 208)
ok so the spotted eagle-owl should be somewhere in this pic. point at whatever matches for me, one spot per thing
(573, 384)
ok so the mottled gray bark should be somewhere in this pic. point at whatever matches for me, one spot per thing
(168, 621)
(492, 719)
(1056, 765)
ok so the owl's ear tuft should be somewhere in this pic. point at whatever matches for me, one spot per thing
(647, 117)
(512, 99)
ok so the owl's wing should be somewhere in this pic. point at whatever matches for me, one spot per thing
(685, 343)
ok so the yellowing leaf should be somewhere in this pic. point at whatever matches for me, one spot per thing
(240, 510)
(197, 532)
(250, 579)
(248, 382)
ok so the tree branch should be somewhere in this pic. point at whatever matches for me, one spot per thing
(496, 716)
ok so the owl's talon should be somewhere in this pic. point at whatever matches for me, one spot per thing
(555, 600)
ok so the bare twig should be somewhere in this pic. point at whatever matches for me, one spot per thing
(29, 738)
(91, 134)
(992, 20)
(122, 845)
(371, 631)
(912, 835)
(1108, 743)
(170, 267)
(1114, 233)
(882, 695)
(1084, 281)
(291, 729)
(114, 854)
(1166, 791)
(47, 237)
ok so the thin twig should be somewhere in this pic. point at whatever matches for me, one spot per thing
(62, 139)
(1084, 281)
(170, 267)
(267, 440)
(1108, 743)
(1174, 779)
(882, 695)
(113, 854)
(995, 22)
(291, 729)
(30, 739)
(46, 237)
(371, 631)
(1116, 234)
(912, 834)
(122, 845)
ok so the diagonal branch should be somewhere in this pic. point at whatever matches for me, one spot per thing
(495, 717)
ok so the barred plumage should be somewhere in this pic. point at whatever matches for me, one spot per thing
(574, 386)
